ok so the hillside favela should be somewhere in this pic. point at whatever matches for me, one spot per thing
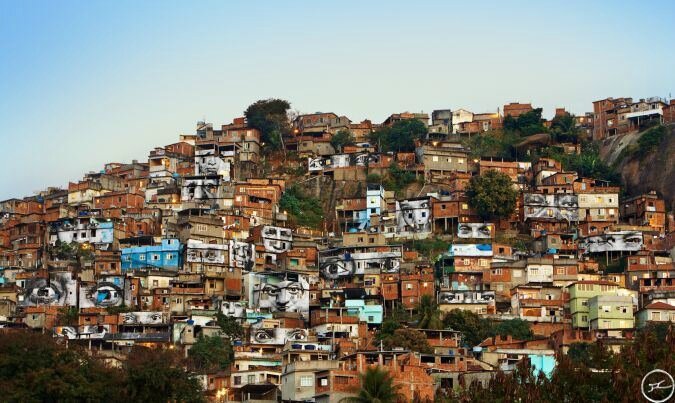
(298, 201)
(453, 256)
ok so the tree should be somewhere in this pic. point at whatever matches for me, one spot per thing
(340, 139)
(397, 178)
(564, 128)
(304, 210)
(400, 137)
(389, 326)
(428, 313)
(229, 326)
(211, 353)
(160, 376)
(409, 339)
(527, 124)
(492, 195)
(270, 117)
(377, 385)
(68, 315)
(516, 328)
(34, 368)
(474, 329)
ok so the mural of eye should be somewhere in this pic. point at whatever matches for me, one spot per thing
(536, 200)
(211, 255)
(46, 294)
(633, 240)
(105, 294)
(335, 268)
(129, 317)
(296, 335)
(156, 317)
(464, 229)
(263, 336)
(270, 232)
(294, 289)
(484, 230)
(270, 290)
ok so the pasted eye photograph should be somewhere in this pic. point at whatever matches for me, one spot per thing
(363, 201)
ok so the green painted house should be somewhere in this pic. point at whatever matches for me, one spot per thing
(581, 294)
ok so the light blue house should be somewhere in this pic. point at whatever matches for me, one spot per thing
(542, 363)
(371, 314)
(166, 256)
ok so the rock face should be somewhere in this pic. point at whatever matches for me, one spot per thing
(654, 171)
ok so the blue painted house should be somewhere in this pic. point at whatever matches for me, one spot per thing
(166, 256)
(371, 314)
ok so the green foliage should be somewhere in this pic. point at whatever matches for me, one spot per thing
(429, 247)
(270, 117)
(373, 178)
(408, 339)
(377, 385)
(588, 373)
(211, 353)
(492, 195)
(429, 314)
(588, 164)
(114, 310)
(33, 368)
(564, 129)
(389, 326)
(516, 328)
(398, 178)
(71, 251)
(496, 144)
(68, 315)
(340, 139)
(303, 209)
(474, 328)
(527, 124)
(400, 137)
(650, 141)
(229, 326)
(160, 376)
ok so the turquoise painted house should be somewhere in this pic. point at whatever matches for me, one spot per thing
(166, 256)
(371, 314)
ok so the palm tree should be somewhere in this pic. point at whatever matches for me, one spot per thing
(428, 313)
(377, 386)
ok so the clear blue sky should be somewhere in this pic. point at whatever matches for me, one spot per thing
(86, 82)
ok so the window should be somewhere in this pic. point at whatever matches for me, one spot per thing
(306, 380)
(606, 308)
(169, 256)
(656, 315)
(584, 302)
(584, 318)
(141, 257)
(408, 286)
(155, 257)
(237, 380)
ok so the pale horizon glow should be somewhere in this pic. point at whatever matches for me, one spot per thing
(86, 83)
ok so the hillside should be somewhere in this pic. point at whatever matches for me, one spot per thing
(645, 161)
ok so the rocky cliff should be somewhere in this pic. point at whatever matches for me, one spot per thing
(644, 165)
